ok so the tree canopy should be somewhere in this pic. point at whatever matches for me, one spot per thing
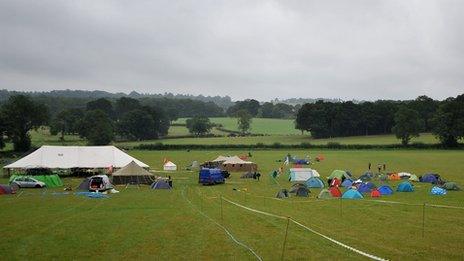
(20, 115)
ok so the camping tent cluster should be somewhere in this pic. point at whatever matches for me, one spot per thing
(357, 188)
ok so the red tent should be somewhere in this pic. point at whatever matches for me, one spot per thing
(335, 191)
(335, 182)
(375, 193)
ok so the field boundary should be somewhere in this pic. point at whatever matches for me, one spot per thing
(277, 145)
(308, 229)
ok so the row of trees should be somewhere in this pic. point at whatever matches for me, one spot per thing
(404, 118)
(101, 122)
(265, 110)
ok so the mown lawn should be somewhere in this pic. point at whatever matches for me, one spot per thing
(146, 224)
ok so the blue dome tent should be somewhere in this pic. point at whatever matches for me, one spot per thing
(405, 187)
(352, 194)
(385, 190)
(347, 183)
(315, 182)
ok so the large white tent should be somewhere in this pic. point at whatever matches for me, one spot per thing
(68, 157)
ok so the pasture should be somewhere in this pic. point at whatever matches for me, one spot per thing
(258, 125)
(188, 221)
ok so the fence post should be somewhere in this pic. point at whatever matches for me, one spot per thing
(423, 219)
(285, 238)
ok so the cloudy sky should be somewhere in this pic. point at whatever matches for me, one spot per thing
(244, 49)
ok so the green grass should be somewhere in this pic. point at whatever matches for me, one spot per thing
(289, 139)
(145, 224)
(258, 125)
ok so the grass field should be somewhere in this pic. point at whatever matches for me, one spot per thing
(258, 125)
(289, 139)
(147, 224)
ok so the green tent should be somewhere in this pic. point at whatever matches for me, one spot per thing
(52, 181)
(339, 174)
(324, 194)
(413, 178)
(451, 186)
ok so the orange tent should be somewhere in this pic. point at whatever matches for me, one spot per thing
(375, 193)
(394, 176)
(335, 192)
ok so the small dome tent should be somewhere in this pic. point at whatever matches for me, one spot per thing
(324, 194)
(385, 190)
(352, 194)
(335, 192)
(405, 187)
(315, 182)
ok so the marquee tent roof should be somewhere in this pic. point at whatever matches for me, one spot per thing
(132, 169)
(67, 157)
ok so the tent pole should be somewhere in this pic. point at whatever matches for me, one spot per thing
(285, 239)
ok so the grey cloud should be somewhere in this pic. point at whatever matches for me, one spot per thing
(260, 49)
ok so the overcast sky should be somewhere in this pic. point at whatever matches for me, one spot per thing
(245, 49)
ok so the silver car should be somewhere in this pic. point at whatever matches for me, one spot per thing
(27, 182)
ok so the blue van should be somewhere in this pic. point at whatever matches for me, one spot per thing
(210, 176)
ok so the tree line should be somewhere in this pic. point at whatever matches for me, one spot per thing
(406, 119)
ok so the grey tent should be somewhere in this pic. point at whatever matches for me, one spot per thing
(302, 192)
(451, 186)
(84, 184)
(160, 184)
(247, 175)
(6, 189)
(283, 193)
(296, 186)
(132, 173)
(367, 176)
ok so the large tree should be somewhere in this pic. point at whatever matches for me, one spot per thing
(448, 122)
(22, 114)
(101, 104)
(199, 125)
(66, 122)
(408, 124)
(137, 125)
(125, 105)
(244, 119)
(97, 128)
(2, 130)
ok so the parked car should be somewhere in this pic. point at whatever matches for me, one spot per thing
(210, 176)
(27, 182)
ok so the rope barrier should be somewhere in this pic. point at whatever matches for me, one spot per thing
(309, 229)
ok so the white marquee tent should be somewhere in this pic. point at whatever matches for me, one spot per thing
(68, 157)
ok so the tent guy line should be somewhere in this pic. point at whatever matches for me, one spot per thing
(309, 229)
(221, 226)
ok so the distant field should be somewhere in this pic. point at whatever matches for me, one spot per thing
(259, 125)
(183, 223)
(43, 137)
(289, 139)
